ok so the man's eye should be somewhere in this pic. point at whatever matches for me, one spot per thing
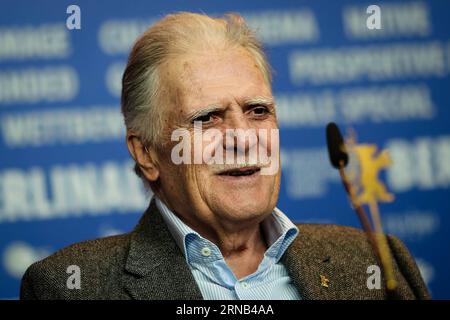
(260, 110)
(204, 119)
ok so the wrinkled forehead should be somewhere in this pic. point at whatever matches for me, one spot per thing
(214, 76)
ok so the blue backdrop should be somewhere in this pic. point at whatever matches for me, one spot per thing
(65, 173)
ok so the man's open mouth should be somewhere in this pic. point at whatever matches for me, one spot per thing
(237, 172)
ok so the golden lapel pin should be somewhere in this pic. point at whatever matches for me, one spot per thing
(324, 281)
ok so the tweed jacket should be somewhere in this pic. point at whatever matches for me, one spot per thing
(147, 264)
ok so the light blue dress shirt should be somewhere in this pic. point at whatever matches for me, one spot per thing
(212, 274)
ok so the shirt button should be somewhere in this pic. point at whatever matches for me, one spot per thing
(206, 252)
(244, 285)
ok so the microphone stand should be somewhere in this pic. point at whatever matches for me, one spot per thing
(379, 243)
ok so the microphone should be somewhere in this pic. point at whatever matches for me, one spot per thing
(336, 147)
(338, 155)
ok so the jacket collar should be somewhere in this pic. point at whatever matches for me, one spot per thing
(156, 268)
(306, 264)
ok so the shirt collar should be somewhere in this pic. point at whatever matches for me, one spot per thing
(278, 229)
(179, 230)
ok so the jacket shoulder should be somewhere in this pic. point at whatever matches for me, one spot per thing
(352, 248)
(334, 235)
(90, 250)
(94, 263)
(317, 229)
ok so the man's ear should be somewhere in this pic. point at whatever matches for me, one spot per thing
(146, 159)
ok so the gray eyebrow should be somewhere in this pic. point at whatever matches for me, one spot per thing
(202, 112)
(260, 100)
(214, 108)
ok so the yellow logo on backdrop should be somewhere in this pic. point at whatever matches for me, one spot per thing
(371, 188)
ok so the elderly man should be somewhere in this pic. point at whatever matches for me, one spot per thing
(212, 230)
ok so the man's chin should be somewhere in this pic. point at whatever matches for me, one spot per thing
(245, 210)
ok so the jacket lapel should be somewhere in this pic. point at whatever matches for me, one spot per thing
(322, 270)
(306, 264)
(156, 268)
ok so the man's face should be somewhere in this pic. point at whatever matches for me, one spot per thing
(223, 90)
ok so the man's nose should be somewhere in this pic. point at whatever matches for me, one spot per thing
(239, 134)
